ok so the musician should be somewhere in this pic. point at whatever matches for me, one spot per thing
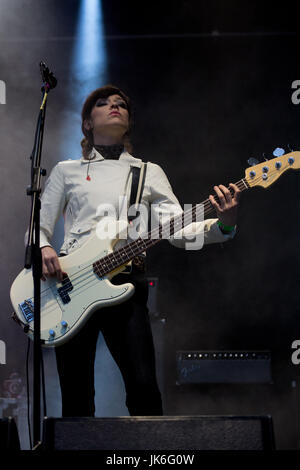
(77, 188)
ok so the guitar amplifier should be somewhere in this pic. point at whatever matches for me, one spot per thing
(223, 367)
(159, 433)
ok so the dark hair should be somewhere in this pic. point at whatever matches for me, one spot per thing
(103, 92)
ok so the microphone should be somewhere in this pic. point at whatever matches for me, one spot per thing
(47, 76)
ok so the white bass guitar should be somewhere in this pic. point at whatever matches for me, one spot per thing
(66, 305)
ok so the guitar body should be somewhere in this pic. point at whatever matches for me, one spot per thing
(66, 306)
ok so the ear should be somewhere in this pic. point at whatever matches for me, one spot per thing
(87, 124)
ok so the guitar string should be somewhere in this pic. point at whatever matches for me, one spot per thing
(188, 216)
(81, 276)
(88, 274)
(242, 184)
(207, 206)
(51, 305)
(154, 234)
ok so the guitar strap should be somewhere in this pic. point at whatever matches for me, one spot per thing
(137, 187)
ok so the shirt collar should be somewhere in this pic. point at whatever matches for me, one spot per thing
(96, 156)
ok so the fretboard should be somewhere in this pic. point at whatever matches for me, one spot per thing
(125, 254)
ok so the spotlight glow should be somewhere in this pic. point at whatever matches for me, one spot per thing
(89, 58)
(87, 69)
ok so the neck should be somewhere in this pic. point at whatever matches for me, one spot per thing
(110, 151)
(108, 140)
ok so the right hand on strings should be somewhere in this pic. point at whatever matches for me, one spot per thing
(50, 264)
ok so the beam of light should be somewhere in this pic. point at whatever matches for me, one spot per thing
(89, 54)
(87, 72)
(87, 69)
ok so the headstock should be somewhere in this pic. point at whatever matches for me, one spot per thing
(266, 173)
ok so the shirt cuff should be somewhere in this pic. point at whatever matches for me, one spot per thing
(44, 240)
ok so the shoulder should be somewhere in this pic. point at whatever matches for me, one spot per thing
(154, 170)
(69, 163)
(66, 166)
(63, 169)
(127, 157)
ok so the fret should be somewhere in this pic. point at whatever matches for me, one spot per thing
(115, 260)
(123, 255)
(118, 257)
(129, 247)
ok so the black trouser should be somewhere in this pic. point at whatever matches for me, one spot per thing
(127, 332)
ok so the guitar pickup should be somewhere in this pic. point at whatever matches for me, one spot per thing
(64, 290)
(27, 310)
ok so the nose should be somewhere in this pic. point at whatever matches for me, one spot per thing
(114, 105)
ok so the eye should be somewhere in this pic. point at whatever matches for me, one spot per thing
(101, 103)
(122, 104)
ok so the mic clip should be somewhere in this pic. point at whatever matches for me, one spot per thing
(49, 80)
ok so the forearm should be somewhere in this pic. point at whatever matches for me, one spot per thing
(197, 234)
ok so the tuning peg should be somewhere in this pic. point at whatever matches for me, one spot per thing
(252, 161)
(290, 149)
(278, 152)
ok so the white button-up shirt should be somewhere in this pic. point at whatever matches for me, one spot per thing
(82, 201)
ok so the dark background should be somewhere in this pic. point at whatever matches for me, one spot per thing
(211, 84)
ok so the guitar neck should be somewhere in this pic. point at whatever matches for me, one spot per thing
(125, 254)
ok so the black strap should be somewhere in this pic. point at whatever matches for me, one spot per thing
(136, 171)
(134, 183)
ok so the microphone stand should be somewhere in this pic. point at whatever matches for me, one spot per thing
(33, 258)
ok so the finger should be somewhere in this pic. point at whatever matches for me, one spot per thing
(237, 191)
(221, 197)
(48, 268)
(226, 192)
(51, 267)
(45, 271)
(57, 268)
(214, 203)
